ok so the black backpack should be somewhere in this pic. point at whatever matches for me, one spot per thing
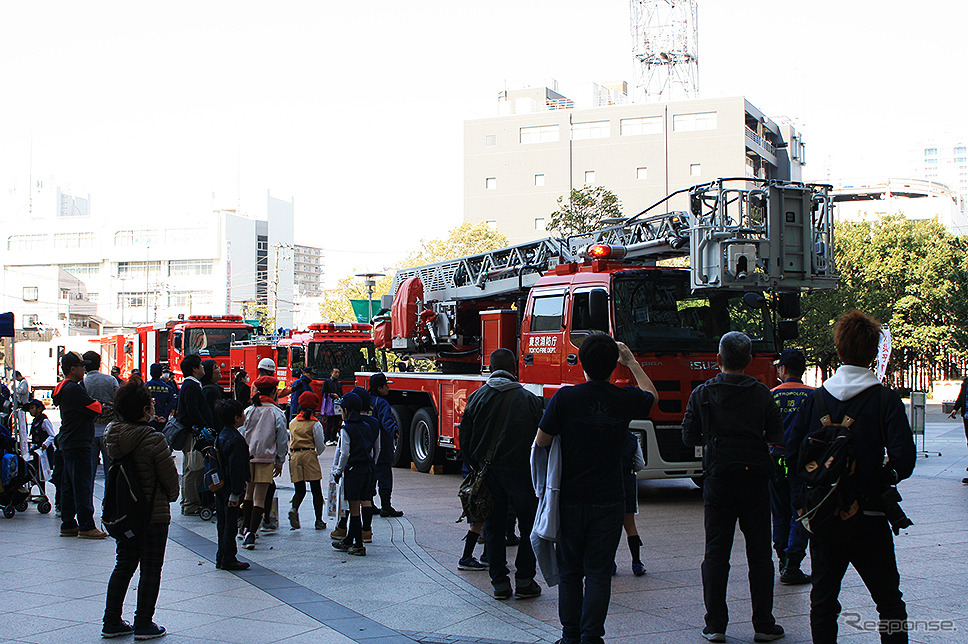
(827, 466)
(125, 511)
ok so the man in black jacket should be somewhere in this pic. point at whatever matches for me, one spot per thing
(734, 416)
(75, 439)
(193, 411)
(499, 424)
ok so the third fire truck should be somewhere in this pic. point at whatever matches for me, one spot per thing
(753, 247)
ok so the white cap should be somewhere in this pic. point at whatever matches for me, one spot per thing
(266, 364)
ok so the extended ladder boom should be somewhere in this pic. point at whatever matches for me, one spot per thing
(763, 235)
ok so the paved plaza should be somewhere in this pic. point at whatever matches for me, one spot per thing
(408, 589)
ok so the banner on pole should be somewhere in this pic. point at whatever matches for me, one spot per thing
(883, 353)
(359, 309)
(6, 325)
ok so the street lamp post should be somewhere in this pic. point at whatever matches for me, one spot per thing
(369, 282)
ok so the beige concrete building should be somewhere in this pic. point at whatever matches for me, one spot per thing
(517, 165)
(308, 269)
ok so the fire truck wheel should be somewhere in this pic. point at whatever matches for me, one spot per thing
(401, 446)
(423, 439)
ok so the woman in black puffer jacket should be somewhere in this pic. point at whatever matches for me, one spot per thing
(132, 436)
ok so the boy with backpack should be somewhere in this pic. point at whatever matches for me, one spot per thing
(232, 455)
(848, 425)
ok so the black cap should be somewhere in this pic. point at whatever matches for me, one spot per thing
(93, 357)
(72, 359)
(351, 402)
(793, 360)
(377, 380)
(34, 401)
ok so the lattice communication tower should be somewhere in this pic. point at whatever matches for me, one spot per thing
(665, 49)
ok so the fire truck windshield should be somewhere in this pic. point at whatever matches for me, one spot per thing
(214, 340)
(655, 311)
(348, 357)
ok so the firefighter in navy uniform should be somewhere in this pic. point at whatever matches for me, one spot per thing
(163, 394)
(789, 535)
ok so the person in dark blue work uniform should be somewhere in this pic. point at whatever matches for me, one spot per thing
(789, 535)
(379, 390)
(163, 394)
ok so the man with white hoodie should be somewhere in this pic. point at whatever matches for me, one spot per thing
(881, 426)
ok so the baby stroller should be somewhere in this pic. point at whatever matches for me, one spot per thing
(15, 483)
(17, 479)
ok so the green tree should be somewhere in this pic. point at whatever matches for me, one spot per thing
(465, 239)
(584, 211)
(911, 275)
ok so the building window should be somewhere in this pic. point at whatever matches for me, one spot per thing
(539, 180)
(183, 267)
(591, 130)
(31, 293)
(539, 224)
(131, 300)
(641, 173)
(31, 320)
(26, 242)
(694, 122)
(589, 177)
(695, 170)
(81, 270)
(490, 140)
(641, 125)
(175, 236)
(540, 134)
(124, 238)
(960, 149)
(137, 269)
(490, 183)
(931, 152)
(65, 294)
(931, 161)
(91, 297)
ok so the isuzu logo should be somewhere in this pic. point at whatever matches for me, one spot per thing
(703, 365)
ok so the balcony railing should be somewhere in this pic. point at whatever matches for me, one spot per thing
(762, 142)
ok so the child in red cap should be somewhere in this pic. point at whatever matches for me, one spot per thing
(306, 443)
(266, 434)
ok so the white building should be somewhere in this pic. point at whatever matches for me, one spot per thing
(917, 199)
(132, 271)
(947, 163)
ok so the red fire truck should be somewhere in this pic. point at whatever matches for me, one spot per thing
(752, 249)
(322, 347)
(169, 342)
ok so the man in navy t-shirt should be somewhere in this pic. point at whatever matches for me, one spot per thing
(592, 420)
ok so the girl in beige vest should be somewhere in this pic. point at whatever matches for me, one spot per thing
(306, 443)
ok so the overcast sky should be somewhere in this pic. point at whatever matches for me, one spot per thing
(355, 109)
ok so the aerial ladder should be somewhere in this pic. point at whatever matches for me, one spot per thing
(740, 234)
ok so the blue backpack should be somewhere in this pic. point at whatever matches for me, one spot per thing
(9, 468)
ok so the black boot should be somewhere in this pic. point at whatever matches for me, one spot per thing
(791, 575)
(387, 510)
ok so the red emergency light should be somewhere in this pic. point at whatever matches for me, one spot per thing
(227, 318)
(340, 326)
(605, 251)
